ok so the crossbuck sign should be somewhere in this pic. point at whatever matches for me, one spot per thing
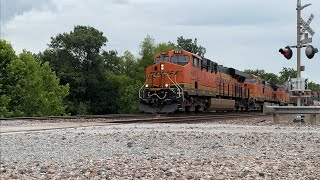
(306, 25)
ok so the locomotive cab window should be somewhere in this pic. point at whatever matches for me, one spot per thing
(251, 80)
(215, 68)
(180, 60)
(199, 63)
(195, 62)
(161, 59)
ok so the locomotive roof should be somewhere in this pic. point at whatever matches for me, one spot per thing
(221, 68)
(235, 72)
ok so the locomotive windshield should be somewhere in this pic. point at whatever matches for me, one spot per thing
(180, 60)
(251, 80)
(161, 59)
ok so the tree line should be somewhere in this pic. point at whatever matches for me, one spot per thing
(76, 75)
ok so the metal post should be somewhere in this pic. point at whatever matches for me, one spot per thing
(276, 119)
(299, 38)
(298, 45)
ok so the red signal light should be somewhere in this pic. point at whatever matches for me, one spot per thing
(286, 52)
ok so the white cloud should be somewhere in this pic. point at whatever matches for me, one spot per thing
(242, 34)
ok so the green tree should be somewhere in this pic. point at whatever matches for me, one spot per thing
(147, 52)
(78, 50)
(112, 61)
(287, 73)
(4, 106)
(191, 46)
(31, 89)
(163, 47)
(272, 78)
(79, 60)
(127, 89)
(130, 65)
(128, 95)
(314, 86)
(7, 55)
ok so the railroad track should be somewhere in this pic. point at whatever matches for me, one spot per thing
(217, 117)
(192, 118)
(45, 124)
(109, 116)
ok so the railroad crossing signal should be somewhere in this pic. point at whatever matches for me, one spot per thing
(304, 30)
(306, 39)
(310, 51)
(306, 25)
(286, 52)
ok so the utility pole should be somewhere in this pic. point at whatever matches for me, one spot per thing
(299, 45)
(300, 23)
(299, 38)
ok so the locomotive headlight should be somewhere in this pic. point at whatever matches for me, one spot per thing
(162, 67)
(147, 85)
(166, 85)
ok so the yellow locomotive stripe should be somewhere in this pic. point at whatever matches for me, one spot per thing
(202, 89)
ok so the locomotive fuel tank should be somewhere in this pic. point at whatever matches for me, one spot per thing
(222, 104)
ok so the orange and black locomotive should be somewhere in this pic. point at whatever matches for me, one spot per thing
(182, 81)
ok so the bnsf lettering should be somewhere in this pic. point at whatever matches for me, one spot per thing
(168, 72)
(223, 80)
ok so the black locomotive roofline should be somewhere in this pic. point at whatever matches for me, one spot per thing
(237, 73)
(220, 68)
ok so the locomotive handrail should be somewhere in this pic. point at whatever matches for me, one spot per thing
(141, 89)
(175, 79)
(176, 84)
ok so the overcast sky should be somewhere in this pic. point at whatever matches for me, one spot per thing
(244, 34)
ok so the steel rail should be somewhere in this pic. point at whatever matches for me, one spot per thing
(116, 116)
(109, 116)
(184, 119)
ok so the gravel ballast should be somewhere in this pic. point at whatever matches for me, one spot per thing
(164, 151)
